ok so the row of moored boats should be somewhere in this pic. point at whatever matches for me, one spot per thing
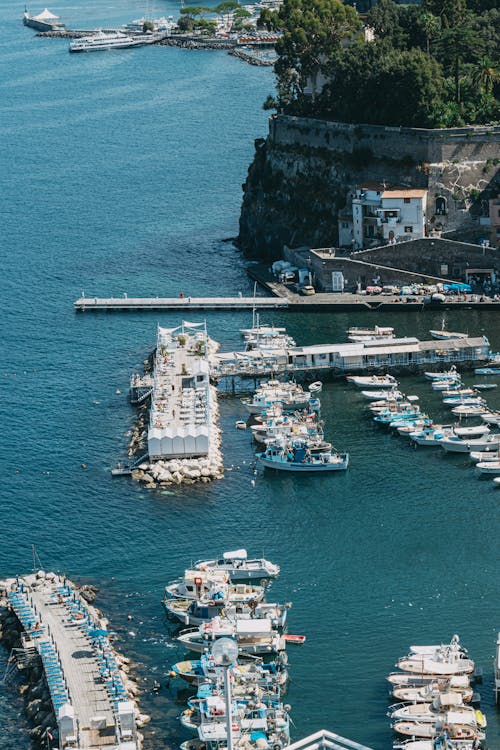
(436, 708)
(393, 408)
(225, 598)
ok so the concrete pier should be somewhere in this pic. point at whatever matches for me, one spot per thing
(85, 304)
(90, 702)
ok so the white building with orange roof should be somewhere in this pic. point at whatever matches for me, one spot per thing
(386, 214)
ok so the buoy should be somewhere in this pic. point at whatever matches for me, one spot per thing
(84, 466)
(129, 617)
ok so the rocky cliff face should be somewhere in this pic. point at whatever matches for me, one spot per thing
(302, 172)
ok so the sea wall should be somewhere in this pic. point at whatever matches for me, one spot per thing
(302, 173)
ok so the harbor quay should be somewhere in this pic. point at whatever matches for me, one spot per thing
(341, 359)
(88, 304)
(77, 689)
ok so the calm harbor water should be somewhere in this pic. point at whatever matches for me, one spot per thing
(122, 173)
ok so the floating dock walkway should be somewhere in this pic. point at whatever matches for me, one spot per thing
(404, 353)
(86, 304)
(90, 702)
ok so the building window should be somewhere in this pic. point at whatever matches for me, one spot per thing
(409, 230)
(407, 200)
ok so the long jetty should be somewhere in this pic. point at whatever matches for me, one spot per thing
(68, 639)
(86, 304)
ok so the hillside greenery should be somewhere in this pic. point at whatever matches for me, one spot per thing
(431, 65)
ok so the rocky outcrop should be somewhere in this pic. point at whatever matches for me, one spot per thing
(302, 173)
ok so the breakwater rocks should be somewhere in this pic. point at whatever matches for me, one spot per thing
(190, 42)
(34, 690)
(303, 172)
(186, 470)
(251, 58)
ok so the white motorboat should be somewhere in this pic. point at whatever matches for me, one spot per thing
(429, 730)
(191, 612)
(412, 426)
(267, 337)
(252, 636)
(468, 410)
(380, 333)
(101, 42)
(491, 417)
(373, 381)
(409, 680)
(480, 456)
(497, 481)
(456, 444)
(450, 374)
(458, 392)
(214, 585)
(429, 437)
(463, 400)
(484, 386)
(446, 384)
(394, 395)
(239, 566)
(290, 396)
(488, 467)
(471, 432)
(432, 712)
(441, 661)
(199, 671)
(459, 684)
(438, 742)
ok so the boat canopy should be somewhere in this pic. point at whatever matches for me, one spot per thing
(238, 554)
(447, 700)
(45, 15)
(206, 576)
(248, 627)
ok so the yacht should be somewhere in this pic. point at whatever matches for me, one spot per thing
(239, 566)
(103, 41)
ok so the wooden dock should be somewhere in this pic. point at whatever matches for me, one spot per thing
(185, 304)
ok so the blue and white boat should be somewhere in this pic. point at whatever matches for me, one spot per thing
(296, 456)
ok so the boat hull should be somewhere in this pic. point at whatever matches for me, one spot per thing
(303, 467)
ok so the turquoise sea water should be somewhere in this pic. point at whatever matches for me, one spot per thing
(122, 173)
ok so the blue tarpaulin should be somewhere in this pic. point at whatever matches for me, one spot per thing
(457, 287)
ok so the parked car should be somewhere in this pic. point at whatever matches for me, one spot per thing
(307, 290)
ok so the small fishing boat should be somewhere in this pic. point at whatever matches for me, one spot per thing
(290, 396)
(297, 457)
(381, 333)
(199, 671)
(487, 371)
(239, 567)
(316, 387)
(447, 384)
(497, 481)
(444, 335)
(380, 395)
(214, 585)
(413, 425)
(458, 392)
(467, 400)
(450, 374)
(196, 613)
(429, 437)
(297, 639)
(252, 636)
(488, 467)
(373, 381)
(484, 386)
(240, 424)
(409, 680)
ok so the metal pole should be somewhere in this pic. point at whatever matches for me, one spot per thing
(229, 726)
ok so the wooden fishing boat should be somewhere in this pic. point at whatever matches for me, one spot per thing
(239, 566)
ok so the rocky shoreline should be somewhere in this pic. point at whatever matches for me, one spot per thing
(251, 59)
(34, 688)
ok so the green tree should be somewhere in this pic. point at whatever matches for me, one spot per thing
(313, 32)
(485, 75)
(431, 26)
(454, 46)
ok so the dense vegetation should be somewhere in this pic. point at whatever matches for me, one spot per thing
(428, 65)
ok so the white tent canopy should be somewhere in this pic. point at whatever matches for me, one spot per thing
(45, 15)
(239, 554)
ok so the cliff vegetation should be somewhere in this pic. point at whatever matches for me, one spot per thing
(434, 65)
